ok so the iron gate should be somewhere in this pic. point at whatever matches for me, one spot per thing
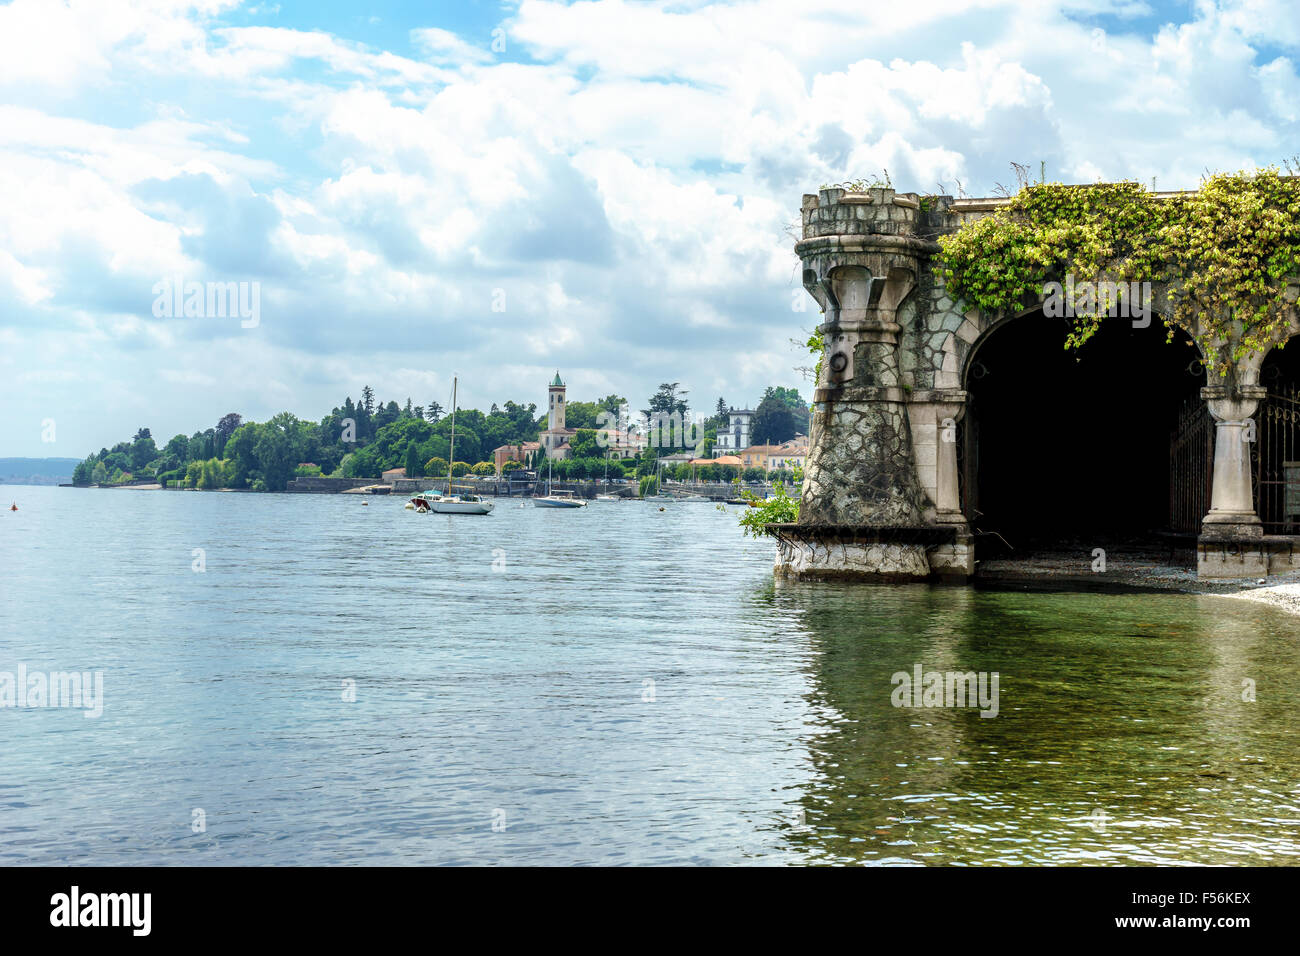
(1275, 460)
(1191, 463)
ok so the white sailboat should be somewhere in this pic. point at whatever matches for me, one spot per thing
(660, 495)
(557, 499)
(607, 496)
(453, 504)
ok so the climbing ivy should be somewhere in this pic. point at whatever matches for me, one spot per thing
(779, 508)
(1227, 251)
(816, 346)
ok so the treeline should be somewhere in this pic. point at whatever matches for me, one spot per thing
(365, 438)
(360, 439)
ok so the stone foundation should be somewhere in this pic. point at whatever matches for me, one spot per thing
(954, 562)
(1250, 556)
(919, 553)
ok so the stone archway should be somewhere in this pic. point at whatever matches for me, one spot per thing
(1072, 445)
(881, 494)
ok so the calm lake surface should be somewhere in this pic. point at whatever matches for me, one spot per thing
(614, 685)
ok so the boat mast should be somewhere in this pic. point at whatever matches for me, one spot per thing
(451, 455)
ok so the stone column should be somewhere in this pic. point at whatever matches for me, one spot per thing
(947, 500)
(1232, 505)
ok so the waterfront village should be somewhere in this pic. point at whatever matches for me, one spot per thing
(370, 447)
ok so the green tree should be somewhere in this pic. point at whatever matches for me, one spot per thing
(583, 444)
(143, 449)
(225, 428)
(413, 466)
(774, 421)
(670, 399)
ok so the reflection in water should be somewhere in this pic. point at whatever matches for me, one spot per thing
(1123, 735)
(628, 686)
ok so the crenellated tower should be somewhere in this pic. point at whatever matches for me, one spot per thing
(864, 511)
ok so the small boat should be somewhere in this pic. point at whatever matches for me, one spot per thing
(462, 505)
(559, 499)
(452, 504)
(608, 498)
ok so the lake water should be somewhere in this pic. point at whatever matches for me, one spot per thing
(613, 685)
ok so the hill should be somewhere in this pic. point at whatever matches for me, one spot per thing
(36, 471)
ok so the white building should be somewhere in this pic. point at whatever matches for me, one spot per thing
(736, 437)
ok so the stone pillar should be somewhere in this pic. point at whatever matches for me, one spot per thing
(861, 509)
(947, 499)
(1232, 504)
(1232, 543)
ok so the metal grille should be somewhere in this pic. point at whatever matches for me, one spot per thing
(968, 463)
(1275, 460)
(1191, 463)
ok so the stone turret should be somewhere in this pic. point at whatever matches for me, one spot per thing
(863, 511)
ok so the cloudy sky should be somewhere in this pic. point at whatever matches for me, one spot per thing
(617, 179)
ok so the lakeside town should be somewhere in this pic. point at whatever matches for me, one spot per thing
(370, 447)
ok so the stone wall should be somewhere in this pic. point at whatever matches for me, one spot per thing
(327, 486)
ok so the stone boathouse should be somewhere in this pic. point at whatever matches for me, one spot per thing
(940, 433)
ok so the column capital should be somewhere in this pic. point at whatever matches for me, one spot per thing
(1233, 404)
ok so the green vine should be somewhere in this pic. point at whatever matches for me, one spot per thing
(816, 346)
(1227, 254)
(779, 508)
(862, 185)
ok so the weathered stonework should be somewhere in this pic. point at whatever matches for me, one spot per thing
(882, 473)
(837, 559)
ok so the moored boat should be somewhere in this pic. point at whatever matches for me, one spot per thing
(559, 499)
(451, 504)
(462, 505)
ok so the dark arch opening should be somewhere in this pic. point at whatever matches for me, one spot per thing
(1074, 446)
(1280, 370)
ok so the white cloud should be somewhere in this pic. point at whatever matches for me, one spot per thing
(625, 175)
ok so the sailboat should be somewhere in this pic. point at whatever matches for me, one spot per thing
(453, 504)
(659, 495)
(691, 496)
(557, 499)
(606, 496)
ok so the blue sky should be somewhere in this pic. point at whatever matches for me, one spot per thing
(500, 190)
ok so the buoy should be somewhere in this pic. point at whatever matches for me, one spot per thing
(661, 507)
